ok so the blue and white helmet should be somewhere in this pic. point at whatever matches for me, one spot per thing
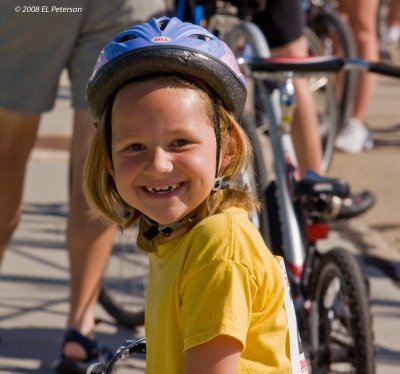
(171, 47)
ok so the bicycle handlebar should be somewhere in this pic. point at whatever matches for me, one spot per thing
(384, 69)
(328, 64)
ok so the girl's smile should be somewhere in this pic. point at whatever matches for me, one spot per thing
(164, 190)
(163, 149)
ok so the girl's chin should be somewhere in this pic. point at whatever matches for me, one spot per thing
(169, 219)
(162, 220)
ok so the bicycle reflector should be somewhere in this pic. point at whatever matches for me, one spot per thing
(316, 231)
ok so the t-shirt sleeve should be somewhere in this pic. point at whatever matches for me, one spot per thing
(217, 300)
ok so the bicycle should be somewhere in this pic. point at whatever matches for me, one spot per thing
(305, 206)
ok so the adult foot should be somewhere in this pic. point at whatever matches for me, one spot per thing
(354, 138)
(82, 352)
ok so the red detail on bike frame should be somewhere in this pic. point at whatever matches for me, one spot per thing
(316, 231)
(296, 271)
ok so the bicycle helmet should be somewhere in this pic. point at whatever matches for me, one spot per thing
(166, 46)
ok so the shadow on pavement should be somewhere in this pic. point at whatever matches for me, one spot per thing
(42, 347)
(387, 356)
(386, 136)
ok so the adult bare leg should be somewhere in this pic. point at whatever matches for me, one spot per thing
(362, 18)
(89, 242)
(17, 137)
(394, 13)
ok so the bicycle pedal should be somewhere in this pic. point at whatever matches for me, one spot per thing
(313, 184)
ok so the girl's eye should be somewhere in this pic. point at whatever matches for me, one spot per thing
(135, 147)
(181, 142)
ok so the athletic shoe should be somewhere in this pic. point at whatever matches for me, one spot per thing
(354, 138)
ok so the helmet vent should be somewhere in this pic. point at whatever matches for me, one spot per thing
(163, 24)
(126, 38)
(206, 38)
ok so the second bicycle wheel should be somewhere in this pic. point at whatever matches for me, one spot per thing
(245, 38)
(337, 39)
(341, 323)
(124, 283)
(323, 89)
(256, 178)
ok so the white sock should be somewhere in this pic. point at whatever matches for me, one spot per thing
(394, 33)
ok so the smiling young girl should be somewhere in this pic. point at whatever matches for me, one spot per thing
(166, 97)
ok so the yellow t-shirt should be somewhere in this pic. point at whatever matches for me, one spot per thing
(217, 279)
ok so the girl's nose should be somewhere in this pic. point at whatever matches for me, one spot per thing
(160, 162)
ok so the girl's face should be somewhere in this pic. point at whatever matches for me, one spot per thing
(163, 150)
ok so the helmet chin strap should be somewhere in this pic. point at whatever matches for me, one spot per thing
(166, 230)
(221, 183)
(217, 129)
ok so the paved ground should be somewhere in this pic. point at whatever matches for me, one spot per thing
(34, 279)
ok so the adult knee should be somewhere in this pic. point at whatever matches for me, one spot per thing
(18, 133)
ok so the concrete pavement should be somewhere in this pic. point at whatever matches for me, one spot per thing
(34, 276)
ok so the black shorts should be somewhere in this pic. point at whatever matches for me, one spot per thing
(282, 21)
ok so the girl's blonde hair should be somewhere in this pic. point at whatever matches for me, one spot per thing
(99, 185)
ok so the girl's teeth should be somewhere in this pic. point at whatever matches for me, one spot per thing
(164, 189)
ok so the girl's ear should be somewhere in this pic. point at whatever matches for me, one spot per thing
(226, 159)
(230, 149)
(110, 167)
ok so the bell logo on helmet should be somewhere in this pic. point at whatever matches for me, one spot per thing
(161, 39)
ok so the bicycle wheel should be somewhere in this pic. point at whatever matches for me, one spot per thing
(382, 18)
(245, 38)
(337, 39)
(256, 178)
(124, 283)
(324, 92)
(341, 322)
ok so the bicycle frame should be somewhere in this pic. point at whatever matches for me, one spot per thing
(283, 151)
(285, 163)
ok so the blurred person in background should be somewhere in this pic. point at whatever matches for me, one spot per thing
(362, 17)
(37, 42)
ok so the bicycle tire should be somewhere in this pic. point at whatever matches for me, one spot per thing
(343, 334)
(324, 92)
(382, 18)
(324, 24)
(249, 33)
(123, 286)
(257, 177)
(247, 38)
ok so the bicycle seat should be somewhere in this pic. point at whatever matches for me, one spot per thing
(313, 184)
